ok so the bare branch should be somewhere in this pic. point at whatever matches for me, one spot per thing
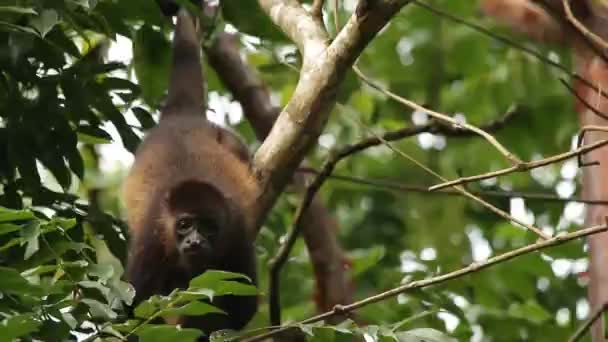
(523, 167)
(582, 330)
(397, 186)
(435, 128)
(583, 101)
(417, 284)
(461, 189)
(510, 156)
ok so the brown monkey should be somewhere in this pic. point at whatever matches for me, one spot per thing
(188, 194)
(169, 8)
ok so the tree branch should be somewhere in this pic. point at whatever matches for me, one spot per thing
(417, 284)
(440, 116)
(582, 330)
(324, 67)
(320, 228)
(523, 167)
(398, 186)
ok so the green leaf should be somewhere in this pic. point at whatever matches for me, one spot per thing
(93, 135)
(45, 21)
(17, 326)
(423, 334)
(9, 215)
(99, 309)
(144, 117)
(151, 61)
(530, 310)
(147, 308)
(365, 259)
(18, 10)
(248, 17)
(6, 228)
(192, 309)
(210, 279)
(30, 234)
(163, 333)
(12, 282)
(235, 288)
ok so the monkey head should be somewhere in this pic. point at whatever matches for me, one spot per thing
(199, 221)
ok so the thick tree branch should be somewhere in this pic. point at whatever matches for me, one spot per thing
(324, 67)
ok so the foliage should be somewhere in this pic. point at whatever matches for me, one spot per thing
(62, 248)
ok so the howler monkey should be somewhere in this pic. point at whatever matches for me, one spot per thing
(188, 194)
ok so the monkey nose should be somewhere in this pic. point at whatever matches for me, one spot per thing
(194, 243)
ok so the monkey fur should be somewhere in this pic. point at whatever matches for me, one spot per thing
(169, 8)
(187, 196)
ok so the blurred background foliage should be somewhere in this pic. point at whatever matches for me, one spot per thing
(72, 110)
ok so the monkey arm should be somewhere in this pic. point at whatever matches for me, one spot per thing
(148, 268)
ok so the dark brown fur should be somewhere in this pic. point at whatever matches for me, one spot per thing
(182, 165)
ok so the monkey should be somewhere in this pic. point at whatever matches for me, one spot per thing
(169, 8)
(188, 195)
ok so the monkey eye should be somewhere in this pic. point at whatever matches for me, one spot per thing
(184, 224)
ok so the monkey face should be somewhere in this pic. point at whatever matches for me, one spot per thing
(196, 238)
(195, 235)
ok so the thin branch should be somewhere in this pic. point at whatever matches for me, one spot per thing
(506, 153)
(581, 28)
(581, 140)
(417, 284)
(396, 186)
(522, 167)
(435, 128)
(583, 101)
(283, 253)
(582, 330)
(511, 43)
(461, 189)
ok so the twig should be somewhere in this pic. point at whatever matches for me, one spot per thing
(279, 260)
(582, 330)
(435, 128)
(277, 263)
(583, 101)
(581, 28)
(581, 139)
(461, 189)
(512, 43)
(510, 156)
(417, 284)
(397, 186)
(522, 167)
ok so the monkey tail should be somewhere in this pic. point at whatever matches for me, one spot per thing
(186, 85)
